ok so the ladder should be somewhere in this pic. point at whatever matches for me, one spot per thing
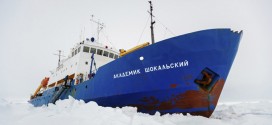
(58, 93)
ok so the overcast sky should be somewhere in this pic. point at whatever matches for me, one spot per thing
(31, 31)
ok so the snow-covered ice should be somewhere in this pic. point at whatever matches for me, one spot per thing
(72, 111)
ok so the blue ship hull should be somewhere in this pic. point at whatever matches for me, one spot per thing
(163, 76)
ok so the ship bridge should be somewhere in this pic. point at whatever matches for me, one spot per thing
(79, 60)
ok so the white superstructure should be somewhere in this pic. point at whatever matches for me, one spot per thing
(79, 60)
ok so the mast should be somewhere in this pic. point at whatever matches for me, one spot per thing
(99, 26)
(59, 54)
(152, 22)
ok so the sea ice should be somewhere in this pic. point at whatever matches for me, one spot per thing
(71, 111)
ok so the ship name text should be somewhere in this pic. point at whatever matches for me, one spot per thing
(127, 73)
(168, 66)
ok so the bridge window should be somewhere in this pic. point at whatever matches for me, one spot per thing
(78, 49)
(106, 53)
(116, 56)
(99, 52)
(75, 51)
(111, 55)
(93, 50)
(86, 49)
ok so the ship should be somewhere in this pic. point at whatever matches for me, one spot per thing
(183, 74)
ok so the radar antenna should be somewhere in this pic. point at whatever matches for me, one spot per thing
(152, 22)
(100, 26)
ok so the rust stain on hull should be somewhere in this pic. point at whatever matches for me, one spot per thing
(173, 85)
(189, 99)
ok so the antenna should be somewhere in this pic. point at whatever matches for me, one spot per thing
(152, 22)
(99, 26)
(59, 54)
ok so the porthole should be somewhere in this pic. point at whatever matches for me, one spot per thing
(141, 58)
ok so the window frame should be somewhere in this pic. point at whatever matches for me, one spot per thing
(99, 53)
(86, 49)
(93, 49)
(116, 56)
(75, 51)
(111, 56)
(106, 53)
(78, 49)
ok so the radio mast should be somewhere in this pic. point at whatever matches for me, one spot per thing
(59, 55)
(99, 26)
(152, 22)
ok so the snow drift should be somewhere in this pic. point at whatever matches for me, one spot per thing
(72, 111)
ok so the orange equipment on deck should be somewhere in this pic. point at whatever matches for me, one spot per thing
(42, 85)
(125, 52)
